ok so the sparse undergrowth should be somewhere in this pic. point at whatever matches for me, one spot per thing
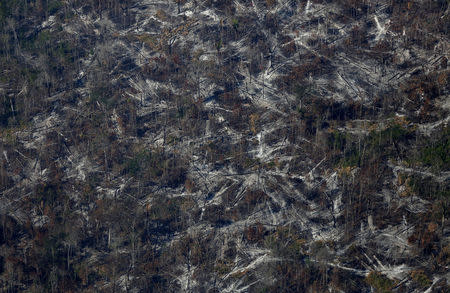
(209, 146)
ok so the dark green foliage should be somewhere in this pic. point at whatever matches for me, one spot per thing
(166, 217)
(428, 188)
(377, 145)
(22, 8)
(351, 158)
(379, 282)
(54, 6)
(165, 209)
(53, 249)
(286, 243)
(157, 167)
(421, 279)
(337, 140)
(6, 111)
(6, 8)
(437, 154)
(145, 161)
(47, 193)
(216, 215)
(302, 91)
(103, 95)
